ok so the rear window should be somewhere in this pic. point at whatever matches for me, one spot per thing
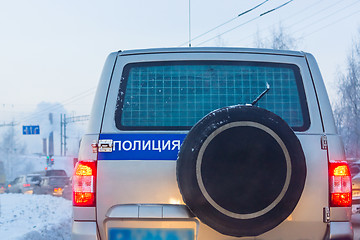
(33, 179)
(56, 181)
(175, 95)
(55, 173)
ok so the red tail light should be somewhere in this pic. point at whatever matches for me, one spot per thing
(26, 185)
(84, 180)
(340, 184)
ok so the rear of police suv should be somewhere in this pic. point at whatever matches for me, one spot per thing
(211, 143)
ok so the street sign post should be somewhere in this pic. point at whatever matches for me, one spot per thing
(31, 130)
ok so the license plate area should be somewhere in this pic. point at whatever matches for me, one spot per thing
(151, 229)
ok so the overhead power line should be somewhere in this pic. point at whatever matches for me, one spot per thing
(302, 20)
(276, 8)
(64, 121)
(261, 15)
(294, 15)
(61, 104)
(228, 21)
(253, 19)
(11, 124)
(334, 22)
(252, 8)
(327, 16)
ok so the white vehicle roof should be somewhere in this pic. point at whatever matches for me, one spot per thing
(213, 49)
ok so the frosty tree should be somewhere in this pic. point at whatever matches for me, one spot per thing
(279, 39)
(347, 110)
(11, 149)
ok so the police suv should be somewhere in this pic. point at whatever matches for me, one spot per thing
(211, 143)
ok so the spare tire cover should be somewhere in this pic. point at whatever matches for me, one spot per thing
(241, 170)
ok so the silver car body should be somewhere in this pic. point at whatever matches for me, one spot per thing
(24, 183)
(146, 193)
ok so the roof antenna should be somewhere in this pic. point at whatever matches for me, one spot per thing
(189, 26)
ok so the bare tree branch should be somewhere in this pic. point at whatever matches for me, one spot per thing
(279, 39)
(347, 111)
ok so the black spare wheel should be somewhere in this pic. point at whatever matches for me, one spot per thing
(241, 170)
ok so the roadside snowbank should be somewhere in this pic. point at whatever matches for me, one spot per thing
(33, 217)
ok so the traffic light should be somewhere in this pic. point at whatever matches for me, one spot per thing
(49, 161)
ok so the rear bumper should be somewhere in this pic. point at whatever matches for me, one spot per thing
(356, 200)
(88, 231)
(84, 231)
(339, 230)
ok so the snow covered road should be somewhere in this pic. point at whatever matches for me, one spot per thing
(39, 217)
(44, 217)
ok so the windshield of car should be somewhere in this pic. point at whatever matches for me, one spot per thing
(175, 95)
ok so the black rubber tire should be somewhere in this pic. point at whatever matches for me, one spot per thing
(241, 170)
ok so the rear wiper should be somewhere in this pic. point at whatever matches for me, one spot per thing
(262, 94)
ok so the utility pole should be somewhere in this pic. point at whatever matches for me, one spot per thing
(51, 137)
(45, 147)
(64, 121)
(61, 134)
(64, 134)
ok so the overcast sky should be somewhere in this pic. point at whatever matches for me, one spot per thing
(54, 51)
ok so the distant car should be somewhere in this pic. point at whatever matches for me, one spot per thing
(53, 185)
(9, 185)
(2, 177)
(356, 189)
(354, 167)
(67, 191)
(2, 188)
(24, 184)
(56, 172)
(53, 182)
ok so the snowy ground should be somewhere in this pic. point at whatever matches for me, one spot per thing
(44, 217)
(34, 217)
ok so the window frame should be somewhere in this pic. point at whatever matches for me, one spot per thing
(127, 68)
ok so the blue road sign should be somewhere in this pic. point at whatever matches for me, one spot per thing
(31, 130)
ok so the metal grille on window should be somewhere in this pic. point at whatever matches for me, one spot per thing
(180, 95)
